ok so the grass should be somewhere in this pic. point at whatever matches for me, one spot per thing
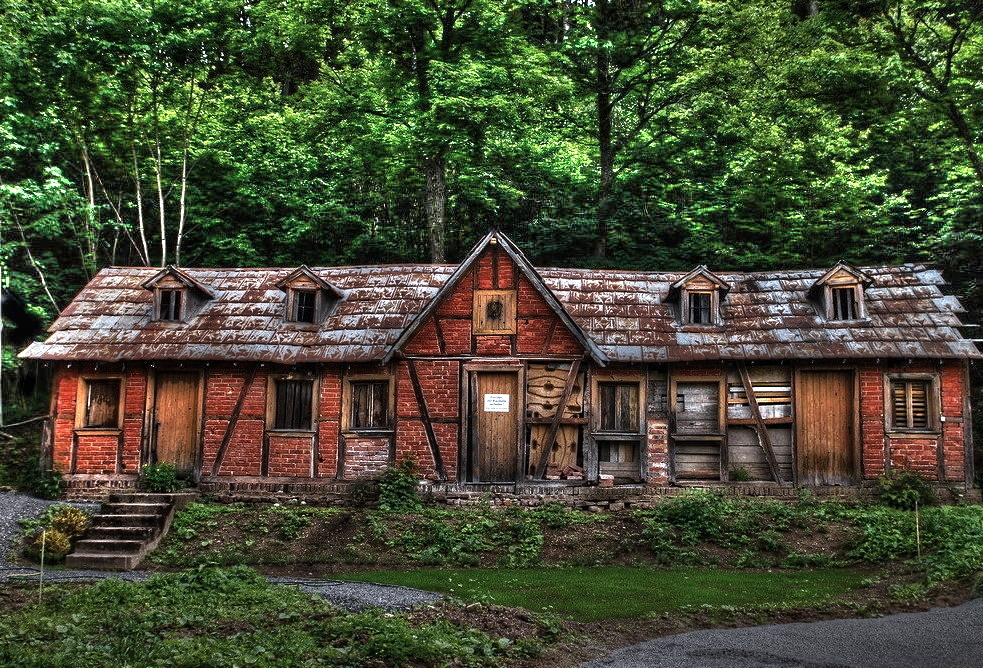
(592, 594)
(227, 618)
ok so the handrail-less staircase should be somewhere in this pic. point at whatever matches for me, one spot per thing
(125, 529)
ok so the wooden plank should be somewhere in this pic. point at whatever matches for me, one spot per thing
(763, 434)
(175, 419)
(824, 434)
(557, 419)
(497, 431)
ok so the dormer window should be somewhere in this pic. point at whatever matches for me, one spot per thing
(304, 308)
(699, 294)
(844, 303)
(169, 304)
(840, 293)
(700, 308)
(177, 296)
(309, 297)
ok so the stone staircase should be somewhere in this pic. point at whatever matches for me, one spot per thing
(125, 529)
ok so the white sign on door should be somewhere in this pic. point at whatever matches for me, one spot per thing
(496, 403)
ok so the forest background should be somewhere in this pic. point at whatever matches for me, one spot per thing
(658, 134)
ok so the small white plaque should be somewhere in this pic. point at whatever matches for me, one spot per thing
(496, 403)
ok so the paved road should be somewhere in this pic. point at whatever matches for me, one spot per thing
(940, 638)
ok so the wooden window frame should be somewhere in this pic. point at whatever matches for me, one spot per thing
(686, 310)
(82, 403)
(273, 397)
(348, 421)
(932, 403)
(833, 303)
(174, 312)
(294, 307)
(611, 439)
(596, 393)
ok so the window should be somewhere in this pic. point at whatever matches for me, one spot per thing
(304, 306)
(101, 409)
(370, 404)
(170, 305)
(700, 305)
(619, 407)
(911, 405)
(293, 405)
(844, 304)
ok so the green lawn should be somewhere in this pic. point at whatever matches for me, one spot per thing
(589, 594)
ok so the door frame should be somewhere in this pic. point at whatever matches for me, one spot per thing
(149, 446)
(854, 371)
(469, 434)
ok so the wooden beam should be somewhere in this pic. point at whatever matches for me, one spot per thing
(550, 439)
(763, 436)
(233, 420)
(438, 461)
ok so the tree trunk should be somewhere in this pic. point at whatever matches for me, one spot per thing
(436, 206)
(605, 146)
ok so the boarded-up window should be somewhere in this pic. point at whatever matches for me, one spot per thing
(844, 303)
(370, 404)
(305, 306)
(293, 405)
(618, 406)
(700, 308)
(101, 403)
(170, 305)
(910, 407)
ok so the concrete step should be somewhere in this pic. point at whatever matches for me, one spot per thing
(100, 561)
(134, 509)
(126, 528)
(141, 533)
(105, 521)
(100, 546)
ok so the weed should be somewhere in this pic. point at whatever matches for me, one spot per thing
(398, 487)
(740, 474)
(159, 478)
(41, 482)
(905, 489)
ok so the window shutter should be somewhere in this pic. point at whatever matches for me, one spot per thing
(919, 405)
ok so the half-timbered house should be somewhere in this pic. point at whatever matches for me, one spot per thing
(494, 374)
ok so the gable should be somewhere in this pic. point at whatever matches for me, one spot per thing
(495, 303)
(493, 309)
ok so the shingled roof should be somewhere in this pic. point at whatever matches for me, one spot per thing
(627, 314)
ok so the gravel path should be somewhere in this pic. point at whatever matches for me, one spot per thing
(353, 596)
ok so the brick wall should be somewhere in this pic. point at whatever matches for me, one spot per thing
(917, 452)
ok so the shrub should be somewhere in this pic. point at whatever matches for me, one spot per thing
(397, 487)
(905, 489)
(42, 483)
(160, 477)
(54, 544)
(70, 521)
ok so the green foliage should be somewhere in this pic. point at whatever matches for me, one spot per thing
(905, 489)
(42, 483)
(188, 618)
(48, 546)
(69, 520)
(398, 487)
(60, 526)
(160, 478)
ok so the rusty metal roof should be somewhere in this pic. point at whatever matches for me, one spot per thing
(627, 314)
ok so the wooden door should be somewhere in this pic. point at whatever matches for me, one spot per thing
(175, 415)
(825, 435)
(495, 426)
